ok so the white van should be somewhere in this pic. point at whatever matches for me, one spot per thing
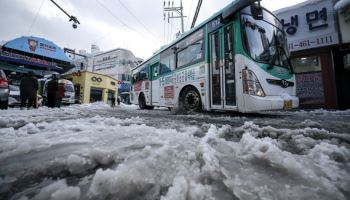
(69, 94)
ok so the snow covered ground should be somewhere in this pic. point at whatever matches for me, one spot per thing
(97, 152)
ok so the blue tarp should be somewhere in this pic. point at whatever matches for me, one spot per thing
(38, 46)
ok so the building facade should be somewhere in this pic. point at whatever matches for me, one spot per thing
(315, 42)
(116, 63)
(33, 54)
(93, 87)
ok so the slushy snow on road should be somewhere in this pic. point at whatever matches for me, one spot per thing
(98, 152)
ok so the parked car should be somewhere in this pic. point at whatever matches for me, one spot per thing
(4, 90)
(15, 96)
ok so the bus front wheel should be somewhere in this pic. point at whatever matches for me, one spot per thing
(191, 100)
(142, 102)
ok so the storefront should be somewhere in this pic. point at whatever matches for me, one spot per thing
(314, 42)
(92, 87)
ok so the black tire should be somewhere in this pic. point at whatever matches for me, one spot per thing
(142, 102)
(190, 100)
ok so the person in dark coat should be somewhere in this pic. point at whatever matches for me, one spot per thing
(113, 101)
(28, 90)
(51, 89)
(118, 100)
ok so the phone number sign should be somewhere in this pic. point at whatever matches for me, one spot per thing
(313, 42)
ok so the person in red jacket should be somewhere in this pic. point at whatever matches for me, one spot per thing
(60, 94)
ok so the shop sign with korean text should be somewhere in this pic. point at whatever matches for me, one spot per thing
(309, 25)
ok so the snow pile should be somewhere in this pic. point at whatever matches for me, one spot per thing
(183, 189)
(144, 173)
(127, 106)
(76, 164)
(278, 174)
(95, 105)
(58, 191)
(286, 96)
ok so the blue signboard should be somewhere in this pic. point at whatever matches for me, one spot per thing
(124, 87)
(38, 46)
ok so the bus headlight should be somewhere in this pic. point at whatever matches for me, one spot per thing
(251, 84)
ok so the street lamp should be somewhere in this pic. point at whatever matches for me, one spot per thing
(71, 17)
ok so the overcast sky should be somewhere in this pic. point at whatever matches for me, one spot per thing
(137, 25)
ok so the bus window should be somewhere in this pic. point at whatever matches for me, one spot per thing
(167, 60)
(191, 54)
(164, 69)
(143, 75)
(155, 70)
(190, 50)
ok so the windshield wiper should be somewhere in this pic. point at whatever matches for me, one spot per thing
(280, 45)
(272, 52)
(289, 62)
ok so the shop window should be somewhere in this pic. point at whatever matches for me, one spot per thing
(95, 94)
(309, 80)
(306, 64)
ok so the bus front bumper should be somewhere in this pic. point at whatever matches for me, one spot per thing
(255, 103)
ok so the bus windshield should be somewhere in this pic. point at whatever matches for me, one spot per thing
(264, 40)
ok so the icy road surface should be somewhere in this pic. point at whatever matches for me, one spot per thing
(96, 152)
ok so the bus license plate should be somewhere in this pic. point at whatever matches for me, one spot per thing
(288, 105)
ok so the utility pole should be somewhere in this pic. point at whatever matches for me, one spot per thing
(178, 10)
(196, 13)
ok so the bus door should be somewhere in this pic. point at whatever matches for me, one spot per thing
(155, 83)
(222, 68)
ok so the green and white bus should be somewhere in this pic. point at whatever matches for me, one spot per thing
(237, 60)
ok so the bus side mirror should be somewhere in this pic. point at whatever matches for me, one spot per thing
(235, 7)
(257, 11)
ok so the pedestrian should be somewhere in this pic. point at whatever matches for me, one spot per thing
(51, 89)
(28, 90)
(118, 100)
(60, 94)
(113, 101)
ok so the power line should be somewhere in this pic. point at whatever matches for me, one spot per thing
(36, 16)
(189, 12)
(120, 21)
(196, 14)
(102, 37)
(139, 21)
